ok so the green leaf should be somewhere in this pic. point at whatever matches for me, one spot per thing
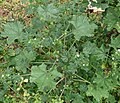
(92, 49)
(112, 18)
(104, 82)
(100, 4)
(13, 30)
(102, 86)
(23, 60)
(47, 12)
(97, 92)
(82, 27)
(111, 99)
(83, 62)
(89, 48)
(117, 26)
(115, 42)
(78, 99)
(44, 78)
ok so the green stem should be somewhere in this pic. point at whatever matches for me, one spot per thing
(82, 79)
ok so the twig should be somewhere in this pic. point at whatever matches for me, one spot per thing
(62, 90)
(82, 79)
(60, 80)
(72, 44)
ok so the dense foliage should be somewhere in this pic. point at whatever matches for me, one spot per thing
(59, 51)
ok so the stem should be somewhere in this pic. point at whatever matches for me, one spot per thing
(63, 90)
(72, 45)
(53, 64)
(41, 62)
(82, 79)
(64, 34)
(60, 80)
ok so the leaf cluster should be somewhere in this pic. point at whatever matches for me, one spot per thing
(60, 52)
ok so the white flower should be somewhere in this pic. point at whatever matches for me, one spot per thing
(118, 50)
(77, 54)
(34, 38)
(113, 58)
(26, 80)
(94, 1)
(83, 64)
(18, 89)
